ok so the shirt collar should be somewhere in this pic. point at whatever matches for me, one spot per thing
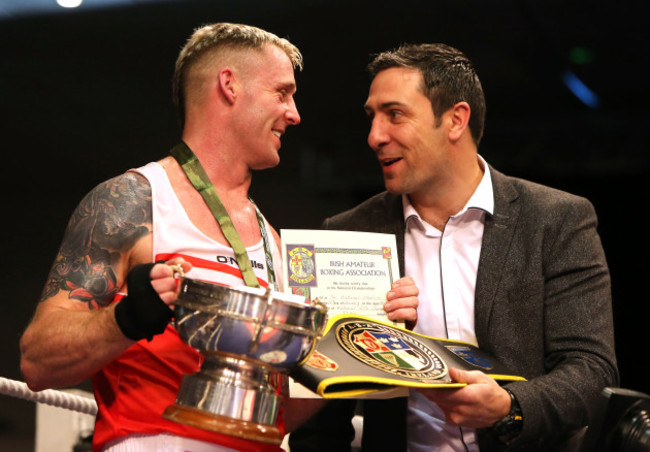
(482, 198)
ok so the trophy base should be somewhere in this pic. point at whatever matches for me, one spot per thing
(229, 395)
(223, 424)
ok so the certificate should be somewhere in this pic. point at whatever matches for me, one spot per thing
(349, 272)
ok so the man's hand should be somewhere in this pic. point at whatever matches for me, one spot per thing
(164, 281)
(479, 404)
(144, 312)
(402, 301)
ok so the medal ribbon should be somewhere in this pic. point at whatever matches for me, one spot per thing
(199, 179)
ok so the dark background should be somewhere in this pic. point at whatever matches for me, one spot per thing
(85, 95)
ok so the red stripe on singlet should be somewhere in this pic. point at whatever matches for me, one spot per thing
(209, 265)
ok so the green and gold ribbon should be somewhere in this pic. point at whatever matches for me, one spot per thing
(200, 180)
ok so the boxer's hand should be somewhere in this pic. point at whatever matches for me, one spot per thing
(152, 290)
(164, 279)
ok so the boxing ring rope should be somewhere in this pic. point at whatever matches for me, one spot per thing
(79, 403)
(51, 397)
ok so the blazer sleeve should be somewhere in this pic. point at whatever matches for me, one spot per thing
(554, 322)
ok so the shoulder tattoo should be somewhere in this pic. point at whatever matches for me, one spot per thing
(106, 224)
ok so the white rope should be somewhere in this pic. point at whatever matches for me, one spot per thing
(52, 397)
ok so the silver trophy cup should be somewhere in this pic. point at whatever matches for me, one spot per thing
(248, 337)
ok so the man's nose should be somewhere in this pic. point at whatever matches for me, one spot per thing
(377, 137)
(292, 115)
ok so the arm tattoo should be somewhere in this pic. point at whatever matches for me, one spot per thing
(106, 224)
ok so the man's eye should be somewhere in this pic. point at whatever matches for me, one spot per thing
(394, 114)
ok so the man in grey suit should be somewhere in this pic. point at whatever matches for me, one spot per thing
(511, 266)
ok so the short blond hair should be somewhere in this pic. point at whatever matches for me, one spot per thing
(220, 36)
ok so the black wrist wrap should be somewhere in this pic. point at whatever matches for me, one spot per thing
(141, 314)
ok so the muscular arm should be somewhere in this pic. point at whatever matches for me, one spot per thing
(73, 332)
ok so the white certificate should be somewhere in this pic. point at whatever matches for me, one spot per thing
(350, 272)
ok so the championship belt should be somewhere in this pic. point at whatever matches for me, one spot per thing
(358, 356)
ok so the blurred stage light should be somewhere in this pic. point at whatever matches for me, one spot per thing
(580, 90)
(69, 3)
(581, 56)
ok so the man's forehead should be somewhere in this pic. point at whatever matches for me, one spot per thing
(392, 87)
(274, 67)
(398, 75)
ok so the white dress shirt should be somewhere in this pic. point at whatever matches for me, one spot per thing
(444, 265)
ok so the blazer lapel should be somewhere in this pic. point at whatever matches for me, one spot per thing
(497, 238)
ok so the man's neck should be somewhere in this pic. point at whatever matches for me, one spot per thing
(226, 170)
(438, 204)
(232, 192)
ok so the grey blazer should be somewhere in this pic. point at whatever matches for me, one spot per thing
(542, 307)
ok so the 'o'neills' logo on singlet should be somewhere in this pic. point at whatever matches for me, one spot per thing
(390, 350)
(230, 260)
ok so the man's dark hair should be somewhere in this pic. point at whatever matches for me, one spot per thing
(449, 78)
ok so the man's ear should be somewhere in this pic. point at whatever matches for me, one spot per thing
(228, 84)
(459, 115)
